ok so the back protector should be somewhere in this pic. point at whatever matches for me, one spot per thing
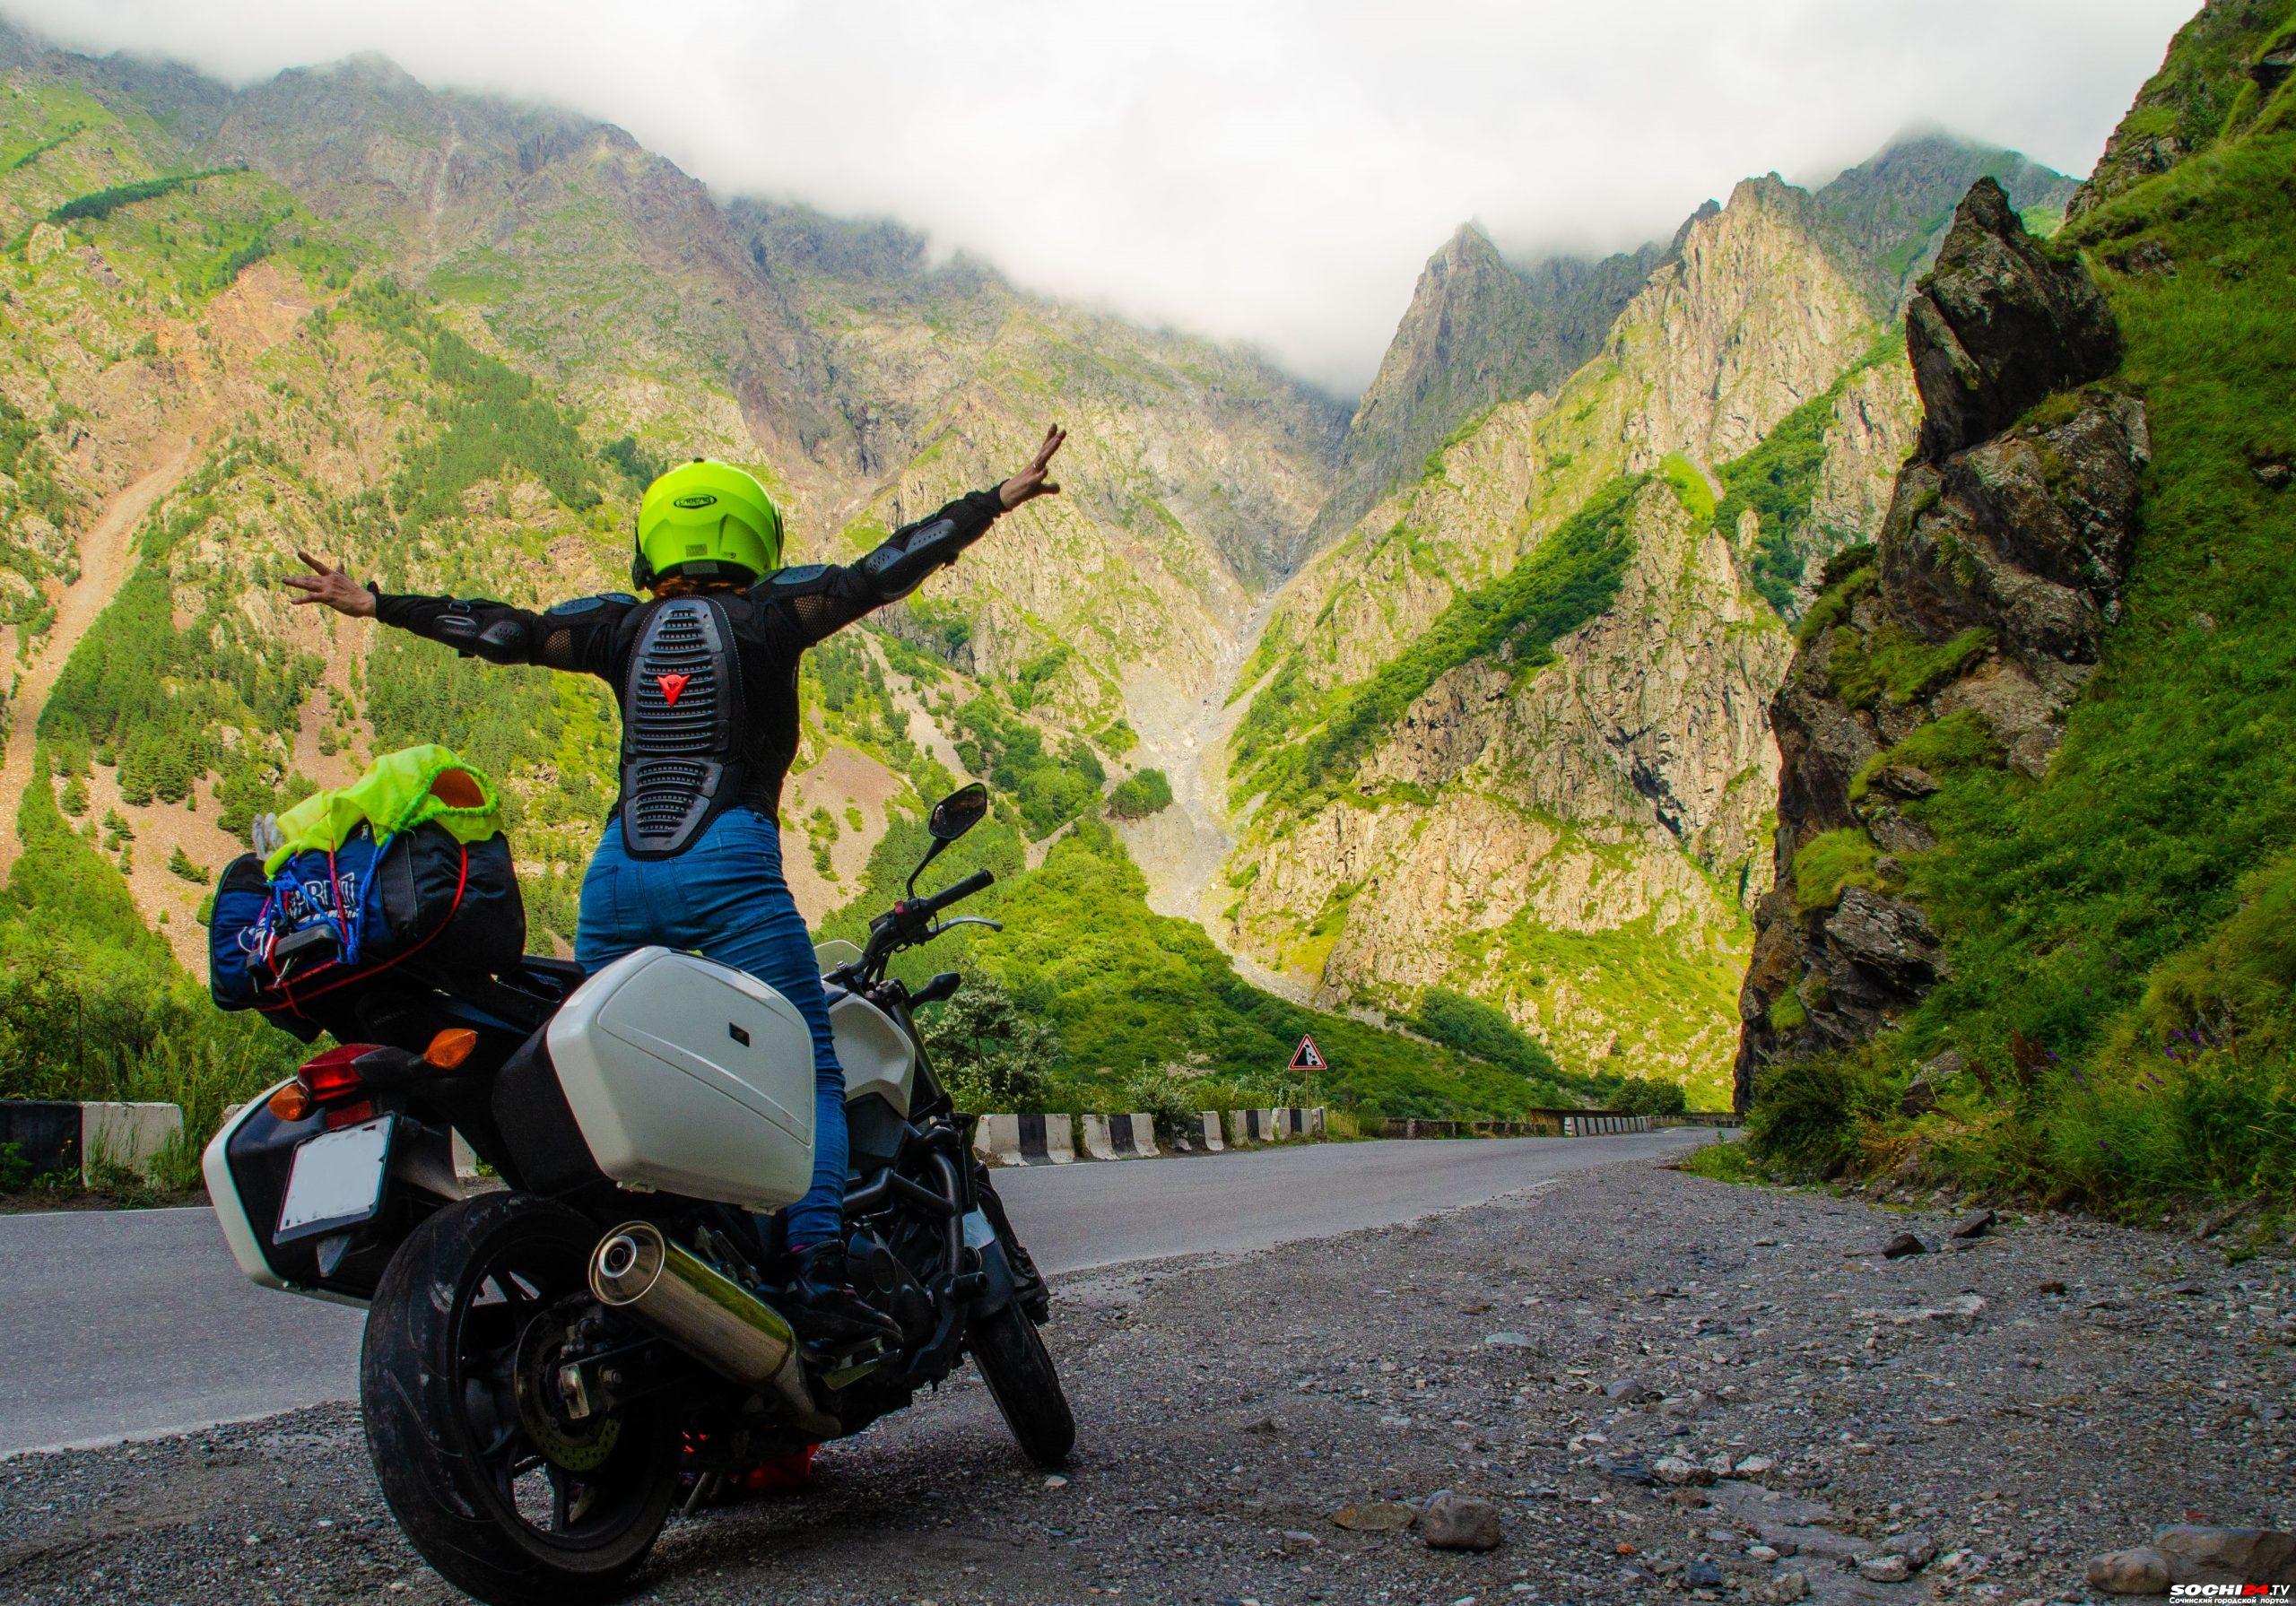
(683, 739)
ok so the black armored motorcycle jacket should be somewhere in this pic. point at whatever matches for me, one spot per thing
(707, 681)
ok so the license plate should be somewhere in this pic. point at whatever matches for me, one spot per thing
(337, 1180)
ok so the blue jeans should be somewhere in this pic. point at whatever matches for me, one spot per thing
(724, 898)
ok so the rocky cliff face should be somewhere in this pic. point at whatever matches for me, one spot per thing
(1753, 319)
(1569, 840)
(1479, 331)
(1967, 631)
(1197, 467)
(1568, 847)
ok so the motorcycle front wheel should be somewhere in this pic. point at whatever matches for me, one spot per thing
(1019, 1371)
(496, 1487)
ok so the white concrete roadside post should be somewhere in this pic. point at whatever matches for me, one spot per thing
(1027, 1139)
(129, 1136)
(1097, 1143)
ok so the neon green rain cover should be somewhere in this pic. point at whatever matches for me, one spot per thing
(418, 786)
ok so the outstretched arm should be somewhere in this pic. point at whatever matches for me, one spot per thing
(828, 599)
(573, 635)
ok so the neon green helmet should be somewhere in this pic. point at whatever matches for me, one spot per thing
(706, 520)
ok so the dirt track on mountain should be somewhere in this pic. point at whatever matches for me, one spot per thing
(2049, 1390)
(106, 553)
(257, 313)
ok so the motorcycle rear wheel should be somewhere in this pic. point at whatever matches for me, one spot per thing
(465, 1306)
(1022, 1379)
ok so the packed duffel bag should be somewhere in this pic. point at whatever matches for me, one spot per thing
(331, 919)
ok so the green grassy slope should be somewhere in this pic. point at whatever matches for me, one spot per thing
(2118, 934)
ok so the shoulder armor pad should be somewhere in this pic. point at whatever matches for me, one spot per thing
(806, 576)
(585, 604)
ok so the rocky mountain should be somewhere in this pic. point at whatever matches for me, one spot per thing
(1197, 466)
(1506, 735)
(2029, 929)
(1895, 207)
(1479, 331)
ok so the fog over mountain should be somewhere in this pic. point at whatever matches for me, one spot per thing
(1275, 172)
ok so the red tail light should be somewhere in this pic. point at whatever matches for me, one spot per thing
(334, 1076)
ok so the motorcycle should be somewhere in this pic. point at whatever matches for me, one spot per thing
(550, 1368)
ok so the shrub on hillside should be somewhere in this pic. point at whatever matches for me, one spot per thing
(1807, 1113)
(1137, 796)
(1645, 1096)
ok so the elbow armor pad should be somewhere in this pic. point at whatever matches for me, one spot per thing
(899, 566)
(505, 642)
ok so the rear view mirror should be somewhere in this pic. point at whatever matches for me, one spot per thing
(958, 813)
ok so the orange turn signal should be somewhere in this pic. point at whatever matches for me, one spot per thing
(292, 1102)
(450, 1047)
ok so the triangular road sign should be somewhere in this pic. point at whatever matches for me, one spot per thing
(1307, 1057)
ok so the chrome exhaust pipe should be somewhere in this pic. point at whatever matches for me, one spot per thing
(705, 1313)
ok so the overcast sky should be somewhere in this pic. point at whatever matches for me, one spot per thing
(1273, 170)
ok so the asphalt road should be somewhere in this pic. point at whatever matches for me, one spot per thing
(133, 1323)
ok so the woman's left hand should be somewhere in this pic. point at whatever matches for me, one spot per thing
(1031, 483)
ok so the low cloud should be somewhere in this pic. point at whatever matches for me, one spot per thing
(1273, 170)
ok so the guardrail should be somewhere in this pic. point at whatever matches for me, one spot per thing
(54, 1136)
(1059, 1139)
(1545, 1123)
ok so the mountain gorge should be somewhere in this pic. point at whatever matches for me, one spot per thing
(1464, 696)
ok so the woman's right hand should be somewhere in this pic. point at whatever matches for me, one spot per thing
(1032, 481)
(332, 585)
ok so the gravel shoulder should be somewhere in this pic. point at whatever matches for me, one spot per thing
(2051, 1390)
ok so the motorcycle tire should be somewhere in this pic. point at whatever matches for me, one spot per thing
(453, 1328)
(1019, 1371)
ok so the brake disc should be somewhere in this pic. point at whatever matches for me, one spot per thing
(577, 1443)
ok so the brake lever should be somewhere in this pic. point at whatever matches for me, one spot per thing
(995, 926)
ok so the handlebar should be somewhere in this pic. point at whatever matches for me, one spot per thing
(924, 907)
(905, 924)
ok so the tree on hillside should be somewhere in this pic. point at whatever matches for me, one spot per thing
(990, 1055)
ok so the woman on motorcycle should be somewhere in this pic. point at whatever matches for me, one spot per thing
(705, 672)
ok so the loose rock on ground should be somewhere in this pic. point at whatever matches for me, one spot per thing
(1991, 1442)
